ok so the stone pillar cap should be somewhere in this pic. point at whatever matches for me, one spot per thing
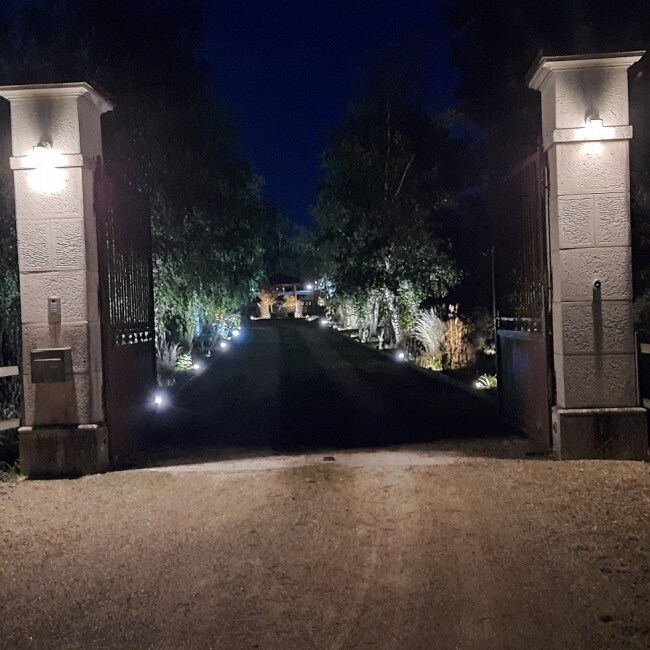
(75, 89)
(543, 68)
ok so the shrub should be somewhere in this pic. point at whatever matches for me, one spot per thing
(457, 351)
(184, 362)
(166, 358)
(430, 361)
(428, 330)
(486, 381)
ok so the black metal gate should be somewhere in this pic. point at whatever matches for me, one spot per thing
(126, 310)
(522, 296)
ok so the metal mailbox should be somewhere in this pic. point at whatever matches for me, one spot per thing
(51, 365)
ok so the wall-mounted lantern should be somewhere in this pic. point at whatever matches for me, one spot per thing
(45, 169)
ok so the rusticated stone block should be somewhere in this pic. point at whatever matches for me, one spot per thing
(591, 167)
(601, 327)
(33, 245)
(66, 335)
(593, 381)
(575, 221)
(36, 289)
(69, 243)
(613, 219)
(615, 434)
(66, 202)
(59, 452)
(578, 92)
(53, 119)
(576, 270)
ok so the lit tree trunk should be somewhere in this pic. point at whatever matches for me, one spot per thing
(374, 316)
(391, 305)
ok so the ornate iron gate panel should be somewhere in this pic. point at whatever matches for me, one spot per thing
(126, 309)
(522, 296)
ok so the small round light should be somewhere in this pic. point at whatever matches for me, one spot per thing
(236, 333)
(323, 322)
(158, 399)
(197, 366)
(400, 356)
(223, 345)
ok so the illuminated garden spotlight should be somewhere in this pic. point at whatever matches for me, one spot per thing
(309, 287)
(223, 345)
(44, 169)
(323, 322)
(236, 332)
(159, 400)
(400, 356)
(197, 366)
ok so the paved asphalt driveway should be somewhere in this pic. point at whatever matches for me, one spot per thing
(294, 385)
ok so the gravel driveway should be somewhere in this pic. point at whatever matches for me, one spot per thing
(425, 546)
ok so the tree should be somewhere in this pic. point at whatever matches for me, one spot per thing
(494, 45)
(168, 138)
(388, 182)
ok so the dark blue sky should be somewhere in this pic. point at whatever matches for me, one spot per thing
(288, 68)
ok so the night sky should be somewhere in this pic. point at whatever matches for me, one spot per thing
(288, 68)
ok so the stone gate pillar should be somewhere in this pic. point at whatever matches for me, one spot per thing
(56, 137)
(586, 132)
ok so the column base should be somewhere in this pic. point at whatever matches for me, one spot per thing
(62, 451)
(600, 433)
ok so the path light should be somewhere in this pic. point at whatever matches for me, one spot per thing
(309, 287)
(159, 400)
(223, 345)
(236, 332)
(197, 366)
(323, 322)
(400, 356)
(44, 175)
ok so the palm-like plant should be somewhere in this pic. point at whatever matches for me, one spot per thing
(166, 357)
(429, 329)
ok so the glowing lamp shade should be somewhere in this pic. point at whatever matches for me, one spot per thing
(594, 127)
(45, 174)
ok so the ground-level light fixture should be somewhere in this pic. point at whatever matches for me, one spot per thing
(323, 322)
(159, 400)
(223, 345)
(44, 169)
(400, 355)
(197, 366)
(236, 332)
